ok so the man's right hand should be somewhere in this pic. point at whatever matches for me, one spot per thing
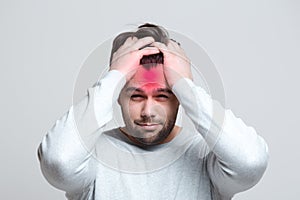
(127, 58)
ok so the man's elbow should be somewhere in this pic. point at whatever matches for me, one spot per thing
(54, 167)
(254, 165)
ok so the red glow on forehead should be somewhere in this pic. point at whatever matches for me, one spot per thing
(149, 79)
(150, 76)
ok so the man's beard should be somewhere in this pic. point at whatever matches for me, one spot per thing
(158, 137)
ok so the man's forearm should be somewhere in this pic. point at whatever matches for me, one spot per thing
(239, 156)
(64, 153)
(97, 110)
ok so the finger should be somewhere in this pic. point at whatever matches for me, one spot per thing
(139, 44)
(170, 49)
(173, 46)
(138, 53)
(125, 47)
(163, 48)
(148, 45)
(159, 45)
(150, 48)
(148, 51)
(130, 41)
(176, 48)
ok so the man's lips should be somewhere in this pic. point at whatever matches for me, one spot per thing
(148, 126)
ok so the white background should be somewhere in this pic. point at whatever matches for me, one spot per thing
(254, 44)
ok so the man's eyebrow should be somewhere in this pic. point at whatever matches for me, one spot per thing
(164, 90)
(135, 89)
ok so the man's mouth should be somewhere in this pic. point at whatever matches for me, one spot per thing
(148, 126)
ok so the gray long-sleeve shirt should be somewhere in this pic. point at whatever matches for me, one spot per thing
(218, 158)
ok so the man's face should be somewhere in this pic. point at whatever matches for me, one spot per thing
(149, 107)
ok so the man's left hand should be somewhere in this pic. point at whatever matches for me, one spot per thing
(176, 63)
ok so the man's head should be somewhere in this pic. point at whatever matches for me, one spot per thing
(149, 107)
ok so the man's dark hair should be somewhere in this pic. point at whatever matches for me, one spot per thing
(157, 32)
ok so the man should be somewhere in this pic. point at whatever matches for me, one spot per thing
(151, 156)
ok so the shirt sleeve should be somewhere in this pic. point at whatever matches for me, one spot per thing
(66, 151)
(238, 156)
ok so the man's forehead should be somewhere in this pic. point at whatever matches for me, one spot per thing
(153, 76)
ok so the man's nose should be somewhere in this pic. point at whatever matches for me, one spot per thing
(148, 109)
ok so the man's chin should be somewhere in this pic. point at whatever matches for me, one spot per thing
(148, 141)
(151, 138)
(147, 131)
(147, 136)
